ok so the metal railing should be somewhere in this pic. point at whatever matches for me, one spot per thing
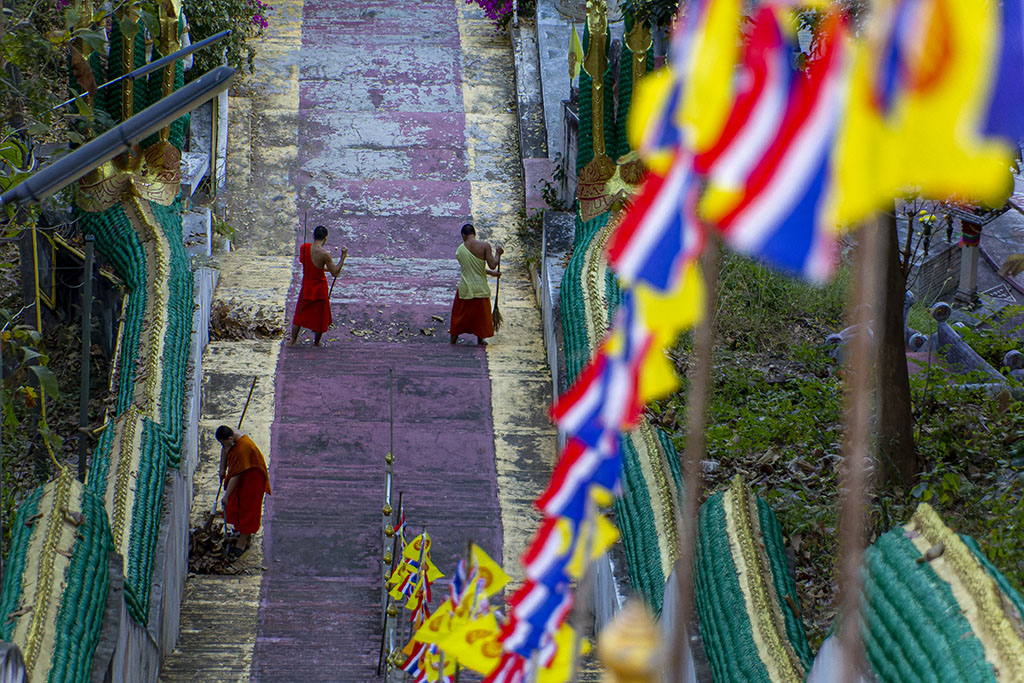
(390, 552)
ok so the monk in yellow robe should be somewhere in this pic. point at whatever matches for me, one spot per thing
(471, 311)
(244, 469)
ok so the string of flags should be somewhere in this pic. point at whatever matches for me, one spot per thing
(414, 577)
(777, 151)
(466, 629)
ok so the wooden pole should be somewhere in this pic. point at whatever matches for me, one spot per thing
(853, 486)
(699, 375)
(83, 404)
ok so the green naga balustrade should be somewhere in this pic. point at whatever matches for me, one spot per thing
(57, 580)
(934, 608)
(746, 598)
(56, 584)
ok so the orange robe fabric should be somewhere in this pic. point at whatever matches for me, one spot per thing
(243, 509)
(471, 316)
(313, 311)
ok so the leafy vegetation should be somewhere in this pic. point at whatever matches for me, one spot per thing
(28, 385)
(775, 416)
(659, 12)
(246, 19)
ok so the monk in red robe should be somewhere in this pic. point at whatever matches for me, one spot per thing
(244, 469)
(313, 311)
(471, 311)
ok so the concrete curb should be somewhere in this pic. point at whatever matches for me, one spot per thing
(538, 175)
(538, 169)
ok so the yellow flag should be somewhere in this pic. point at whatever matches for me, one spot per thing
(475, 644)
(925, 138)
(708, 77)
(430, 664)
(650, 115)
(600, 534)
(440, 624)
(575, 54)
(433, 574)
(667, 315)
(413, 547)
(494, 577)
(559, 669)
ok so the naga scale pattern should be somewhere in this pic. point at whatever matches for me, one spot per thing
(934, 608)
(746, 598)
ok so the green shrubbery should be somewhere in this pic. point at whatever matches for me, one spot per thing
(245, 18)
(775, 417)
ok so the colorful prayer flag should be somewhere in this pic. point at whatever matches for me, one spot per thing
(1003, 115)
(490, 572)
(558, 551)
(475, 644)
(511, 669)
(704, 54)
(659, 233)
(557, 657)
(782, 216)
(411, 665)
(575, 54)
(920, 100)
(666, 315)
(535, 613)
(581, 474)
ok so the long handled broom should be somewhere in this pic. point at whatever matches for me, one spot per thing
(496, 314)
(216, 499)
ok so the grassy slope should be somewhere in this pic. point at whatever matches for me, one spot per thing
(775, 417)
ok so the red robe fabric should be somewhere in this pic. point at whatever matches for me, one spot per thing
(313, 311)
(243, 509)
(472, 316)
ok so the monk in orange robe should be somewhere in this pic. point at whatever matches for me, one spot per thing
(313, 311)
(244, 469)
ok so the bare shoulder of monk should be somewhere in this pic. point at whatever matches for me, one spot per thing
(320, 256)
(478, 249)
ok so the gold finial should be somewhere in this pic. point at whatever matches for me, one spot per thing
(392, 610)
(389, 531)
(387, 509)
(389, 458)
(639, 40)
(595, 62)
(630, 646)
(387, 556)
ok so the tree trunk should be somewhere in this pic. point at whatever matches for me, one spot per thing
(897, 455)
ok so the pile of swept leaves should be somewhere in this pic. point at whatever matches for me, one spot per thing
(235, 319)
(206, 554)
(775, 417)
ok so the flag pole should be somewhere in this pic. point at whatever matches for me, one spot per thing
(699, 373)
(864, 297)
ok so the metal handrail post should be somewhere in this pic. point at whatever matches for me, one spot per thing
(391, 561)
(83, 407)
(387, 531)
